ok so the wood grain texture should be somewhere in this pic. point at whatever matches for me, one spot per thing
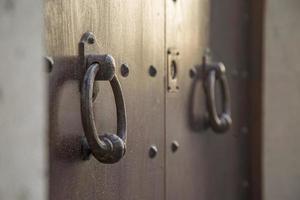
(187, 29)
(133, 32)
(230, 44)
(138, 32)
(207, 166)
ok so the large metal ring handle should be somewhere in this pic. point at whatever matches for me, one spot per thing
(106, 148)
(219, 122)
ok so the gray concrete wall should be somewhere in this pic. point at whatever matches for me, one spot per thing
(22, 102)
(281, 139)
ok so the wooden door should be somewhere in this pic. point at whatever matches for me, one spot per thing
(186, 161)
(133, 33)
(206, 165)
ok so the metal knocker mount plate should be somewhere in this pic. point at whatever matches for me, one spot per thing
(220, 123)
(172, 71)
(106, 148)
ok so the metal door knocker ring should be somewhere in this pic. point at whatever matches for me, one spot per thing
(106, 148)
(219, 122)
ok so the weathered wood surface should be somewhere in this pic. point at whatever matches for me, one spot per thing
(207, 166)
(133, 33)
(138, 32)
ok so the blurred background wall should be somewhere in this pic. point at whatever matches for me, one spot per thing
(281, 116)
(22, 102)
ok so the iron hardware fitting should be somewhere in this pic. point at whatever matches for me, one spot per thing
(219, 123)
(106, 148)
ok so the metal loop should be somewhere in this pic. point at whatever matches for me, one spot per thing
(219, 123)
(106, 148)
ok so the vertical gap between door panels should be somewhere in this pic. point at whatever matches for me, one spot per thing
(165, 99)
(256, 96)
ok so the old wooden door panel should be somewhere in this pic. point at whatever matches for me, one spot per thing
(206, 165)
(133, 32)
(186, 30)
(231, 47)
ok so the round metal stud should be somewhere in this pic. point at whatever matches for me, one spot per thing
(174, 146)
(153, 151)
(124, 70)
(152, 71)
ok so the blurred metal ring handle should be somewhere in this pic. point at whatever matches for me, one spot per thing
(222, 122)
(106, 148)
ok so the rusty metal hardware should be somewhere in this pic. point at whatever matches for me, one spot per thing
(106, 148)
(153, 151)
(174, 146)
(220, 123)
(172, 71)
(124, 70)
(152, 71)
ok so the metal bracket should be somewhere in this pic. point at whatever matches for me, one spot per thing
(107, 148)
(172, 61)
(216, 71)
(88, 56)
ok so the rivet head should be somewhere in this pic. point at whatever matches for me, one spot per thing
(153, 151)
(244, 130)
(152, 71)
(174, 146)
(124, 70)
